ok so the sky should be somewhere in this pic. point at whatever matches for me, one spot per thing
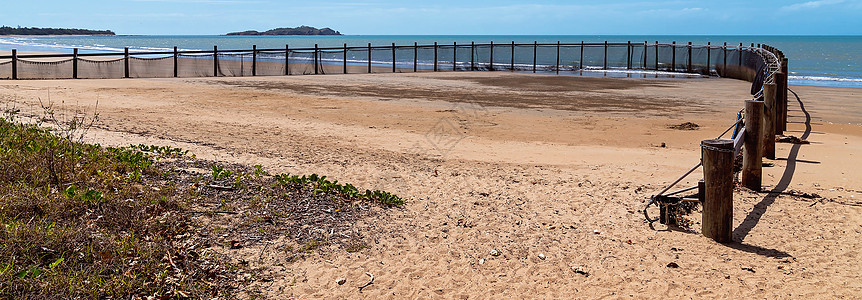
(446, 17)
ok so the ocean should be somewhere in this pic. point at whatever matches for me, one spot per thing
(814, 60)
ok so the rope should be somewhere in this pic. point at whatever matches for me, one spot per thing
(151, 58)
(100, 61)
(45, 62)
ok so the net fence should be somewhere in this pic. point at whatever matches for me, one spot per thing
(737, 62)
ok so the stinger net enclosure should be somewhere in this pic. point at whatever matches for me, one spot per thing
(151, 67)
(5, 69)
(101, 68)
(271, 63)
(42, 68)
(195, 65)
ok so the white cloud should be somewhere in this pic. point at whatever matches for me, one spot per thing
(810, 5)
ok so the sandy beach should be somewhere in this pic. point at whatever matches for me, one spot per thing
(549, 172)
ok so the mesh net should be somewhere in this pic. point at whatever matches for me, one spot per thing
(301, 63)
(618, 56)
(195, 65)
(151, 67)
(101, 68)
(44, 69)
(6, 69)
(404, 59)
(331, 62)
(503, 55)
(426, 59)
(270, 63)
(234, 64)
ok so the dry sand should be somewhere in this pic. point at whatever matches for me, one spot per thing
(520, 164)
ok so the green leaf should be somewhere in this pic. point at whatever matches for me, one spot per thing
(56, 263)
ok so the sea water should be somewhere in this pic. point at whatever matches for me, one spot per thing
(814, 60)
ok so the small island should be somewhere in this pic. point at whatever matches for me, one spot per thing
(301, 30)
(6, 30)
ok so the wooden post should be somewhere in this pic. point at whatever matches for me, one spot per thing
(393, 57)
(286, 59)
(315, 59)
(512, 59)
(435, 56)
(769, 96)
(215, 61)
(344, 60)
(415, 55)
(491, 62)
(656, 55)
(708, 57)
(535, 49)
(472, 56)
(724, 68)
(581, 61)
(253, 60)
(75, 63)
(176, 62)
(643, 63)
(454, 56)
(688, 66)
(557, 68)
(629, 55)
(780, 90)
(752, 156)
(369, 57)
(784, 70)
(740, 55)
(14, 64)
(605, 66)
(717, 157)
(673, 57)
(126, 63)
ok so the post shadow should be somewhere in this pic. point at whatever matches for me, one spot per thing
(754, 216)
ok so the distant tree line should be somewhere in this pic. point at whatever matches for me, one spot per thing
(301, 30)
(6, 30)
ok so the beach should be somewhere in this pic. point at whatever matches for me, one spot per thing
(550, 173)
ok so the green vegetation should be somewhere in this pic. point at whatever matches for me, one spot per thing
(6, 30)
(321, 185)
(83, 221)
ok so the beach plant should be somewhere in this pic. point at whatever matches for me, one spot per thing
(321, 185)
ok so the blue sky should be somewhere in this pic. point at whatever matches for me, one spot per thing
(731, 17)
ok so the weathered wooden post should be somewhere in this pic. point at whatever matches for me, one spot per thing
(454, 56)
(344, 60)
(369, 57)
(14, 64)
(784, 93)
(717, 156)
(581, 61)
(415, 55)
(512, 59)
(393, 57)
(472, 56)
(629, 55)
(605, 65)
(253, 60)
(126, 63)
(557, 66)
(176, 62)
(740, 55)
(673, 57)
(769, 96)
(688, 67)
(656, 55)
(491, 61)
(75, 63)
(286, 59)
(724, 68)
(780, 89)
(643, 63)
(316, 51)
(435, 56)
(535, 49)
(752, 156)
(215, 61)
